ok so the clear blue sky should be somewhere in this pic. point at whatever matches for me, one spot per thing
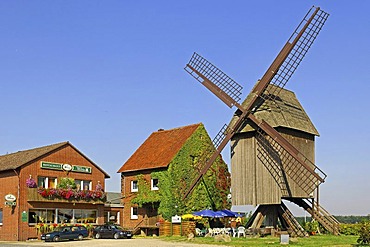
(105, 74)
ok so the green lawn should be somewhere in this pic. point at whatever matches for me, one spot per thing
(318, 240)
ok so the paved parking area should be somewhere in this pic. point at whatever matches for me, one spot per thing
(135, 242)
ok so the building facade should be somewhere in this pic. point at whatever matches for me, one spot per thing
(34, 199)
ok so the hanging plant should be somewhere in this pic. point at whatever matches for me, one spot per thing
(30, 182)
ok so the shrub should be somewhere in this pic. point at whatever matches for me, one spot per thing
(364, 233)
(66, 183)
(349, 229)
(311, 227)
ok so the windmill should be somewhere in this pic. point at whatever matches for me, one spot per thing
(292, 175)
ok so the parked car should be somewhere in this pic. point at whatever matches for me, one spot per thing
(66, 233)
(111, 231)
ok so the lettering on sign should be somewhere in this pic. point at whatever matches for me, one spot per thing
(52, 166)
(10, 203)
(84, 169)
(176, 219)
(10, 198)
(65, 167)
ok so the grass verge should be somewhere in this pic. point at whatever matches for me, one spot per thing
(314, 241)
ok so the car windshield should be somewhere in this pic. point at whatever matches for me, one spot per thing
(116, 227)
(58, 229)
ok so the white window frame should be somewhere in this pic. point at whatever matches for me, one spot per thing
(132, 186)
(46, 182)
(82, 184)
(152, 184)
(2, 217)
(134, 216)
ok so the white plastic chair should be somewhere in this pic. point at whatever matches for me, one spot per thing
(198, 232)
(241, 231)
(216, 231)
(235, 231)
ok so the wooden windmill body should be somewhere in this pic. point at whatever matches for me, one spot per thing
(272, 138)
(253, 182)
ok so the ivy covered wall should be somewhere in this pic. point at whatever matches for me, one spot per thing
(211, 192)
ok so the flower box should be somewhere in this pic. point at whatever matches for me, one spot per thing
(65, 195)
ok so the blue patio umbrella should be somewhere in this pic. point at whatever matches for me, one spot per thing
(208, 213)
(230, 213)
(225, 213)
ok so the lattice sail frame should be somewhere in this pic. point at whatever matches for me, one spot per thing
(299, 50)
(281, 165)
(215, 75)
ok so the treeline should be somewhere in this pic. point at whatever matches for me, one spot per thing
(351, 219)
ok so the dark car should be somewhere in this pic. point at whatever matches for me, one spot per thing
(66, 233)
(111, 231)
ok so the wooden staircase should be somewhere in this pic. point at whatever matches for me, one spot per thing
(295, 227)
(329, 222)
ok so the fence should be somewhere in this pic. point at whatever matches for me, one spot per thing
(176, 229)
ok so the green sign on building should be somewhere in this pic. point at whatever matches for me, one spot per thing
(53, 166)
(83, 169)
(24, 216)
(57, 166)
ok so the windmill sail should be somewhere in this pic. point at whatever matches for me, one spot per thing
(298, 45)
(214, 79)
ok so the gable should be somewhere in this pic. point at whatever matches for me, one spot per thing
(21, 158)
(285, 111)
(159, 149)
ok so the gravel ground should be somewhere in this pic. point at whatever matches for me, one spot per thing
(139, 242)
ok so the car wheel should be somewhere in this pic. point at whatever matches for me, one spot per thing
(80, 237)
(56, 238)
(97, 236)
(116, 235)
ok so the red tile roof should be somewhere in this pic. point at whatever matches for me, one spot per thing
(159, 149)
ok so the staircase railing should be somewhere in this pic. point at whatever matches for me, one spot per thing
(329, 222)
(137, 227)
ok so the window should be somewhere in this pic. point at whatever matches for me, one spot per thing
(134, 213)
(134, 186)
(36, 216)
(65, 216)
(111, 217)
(154, 184)
(62, 215)
(83, 184)
(1, 216)
(85, 216)
(47, 182)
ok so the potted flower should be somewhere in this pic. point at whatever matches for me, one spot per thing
(30, 182)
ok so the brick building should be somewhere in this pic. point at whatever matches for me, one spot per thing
(23, 208)
(165, 151)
